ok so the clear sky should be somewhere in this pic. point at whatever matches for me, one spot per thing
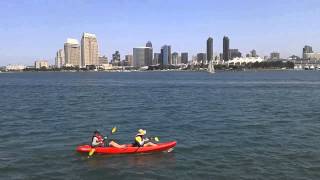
(36, 29)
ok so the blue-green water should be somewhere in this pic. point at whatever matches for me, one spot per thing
(230, 125)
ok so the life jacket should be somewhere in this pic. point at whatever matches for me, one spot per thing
(136, 141)
(100, 138)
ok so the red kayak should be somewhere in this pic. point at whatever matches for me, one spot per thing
(167, 146)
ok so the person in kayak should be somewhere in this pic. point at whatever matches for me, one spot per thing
(141, 141)
(99, 141)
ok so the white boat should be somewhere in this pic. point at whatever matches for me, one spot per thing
(211, 67)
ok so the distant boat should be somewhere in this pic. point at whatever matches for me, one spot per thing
(211, 67)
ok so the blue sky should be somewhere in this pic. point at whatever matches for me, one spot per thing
(36, 29)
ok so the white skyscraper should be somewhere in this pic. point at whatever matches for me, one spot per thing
(89, 50)
(60, 58)
(72, 52)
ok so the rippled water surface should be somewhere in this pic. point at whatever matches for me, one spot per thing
(230, 125)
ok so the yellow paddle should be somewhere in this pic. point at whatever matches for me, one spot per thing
(113, 130)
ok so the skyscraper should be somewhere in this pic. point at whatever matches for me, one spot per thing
(226, 54)
(305, 50)
(165, 55)
(209, 49)
(149, 61)
(59, 60)
(128, 59)
(156, 58)
(89, 50)
(141, 56)
(72, 52)
(175, 58)
(116, 58)
(184, 58)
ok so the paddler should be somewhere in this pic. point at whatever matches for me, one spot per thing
(141, 141)
(99, 141)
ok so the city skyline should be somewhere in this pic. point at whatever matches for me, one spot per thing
(29, 31)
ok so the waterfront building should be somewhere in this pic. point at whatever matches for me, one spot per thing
(89, 50)
(244, 60)
(103, 60)
(201, 58)
(184, 58)
(165, 55)
(59, 60)
(41, 64)
(156, 58)
(209, 49)
(116, 58)
(234, 53)
(141, 56)
(312, 56)
(305, 50)
(128, 59)
(72, 52)
(15, 67)
(175, 58)
(226, 43)
(275, 56)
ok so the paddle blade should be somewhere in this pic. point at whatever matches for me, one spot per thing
(114, 129)
(156, 139)
(92, 151)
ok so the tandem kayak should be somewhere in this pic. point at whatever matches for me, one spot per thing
(167, 146)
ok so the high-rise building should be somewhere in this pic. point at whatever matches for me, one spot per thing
(72, 52)
(226, 43)
(184, 58)
(128, 59)
(305, 50)
(149, 44)
(165, 55)
(201, 57)
(275, 56)
(175, 58)
(209, 49)
(41, 64)
(149, 61)
(89, 50)
(103, 60)
(116, 58)
(234, 53)
(253, 53)
(59, 60)
(141, 56)
(156, 58)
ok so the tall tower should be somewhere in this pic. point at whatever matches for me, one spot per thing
(226, 54)
(209, 49)
(72, 52)
(149, 54)
(89, 50)
(165, 55)
(59, 60)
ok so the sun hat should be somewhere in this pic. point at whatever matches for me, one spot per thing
(142, 132)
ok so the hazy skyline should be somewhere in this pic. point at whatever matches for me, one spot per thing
(36, 29)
